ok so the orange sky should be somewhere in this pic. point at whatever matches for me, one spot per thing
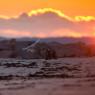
(69, 7)
(76, 10)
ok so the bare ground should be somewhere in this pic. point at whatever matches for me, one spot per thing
(77, 86)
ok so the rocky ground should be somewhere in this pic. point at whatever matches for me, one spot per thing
(67, 76)
(80, 86)
(59, 68)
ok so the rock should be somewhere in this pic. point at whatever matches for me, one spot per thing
(42, 51)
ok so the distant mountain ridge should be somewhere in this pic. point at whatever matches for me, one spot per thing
(64, 47)
(63, 40)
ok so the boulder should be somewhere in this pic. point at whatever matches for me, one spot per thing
(40, 51)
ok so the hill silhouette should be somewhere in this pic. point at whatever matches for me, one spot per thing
(13, 48)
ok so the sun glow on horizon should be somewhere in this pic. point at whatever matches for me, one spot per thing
(87, 27)
(57, 12)
(45, 10)
(84, 18)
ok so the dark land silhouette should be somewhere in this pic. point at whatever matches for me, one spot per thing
(44, 50)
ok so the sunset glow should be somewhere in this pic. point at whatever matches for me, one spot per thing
(72, 18)
(44, 10)
(58, 12)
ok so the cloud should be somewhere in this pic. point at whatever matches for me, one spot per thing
(47, 23)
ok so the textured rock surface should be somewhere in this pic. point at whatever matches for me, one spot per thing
(59, 68)
(42, 51)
